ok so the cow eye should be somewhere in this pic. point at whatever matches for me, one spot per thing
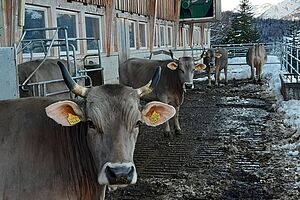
(138, 123)
(91, 124)
(181, 70)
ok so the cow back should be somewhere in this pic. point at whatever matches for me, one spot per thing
(223, 61)
(256, 55)
(137, 72)
(48, 71)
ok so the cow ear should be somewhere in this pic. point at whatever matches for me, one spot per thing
(200, 67)
(66, 113)
(218, 55)
(156, 113)
(172, 65)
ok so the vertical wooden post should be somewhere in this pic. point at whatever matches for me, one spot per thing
(110, 14)
(152, 11)
(191, 31)
(176, 20)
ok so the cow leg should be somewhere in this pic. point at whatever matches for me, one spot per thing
(252, 74)
(209, 77)
(225, 73)
(176, 120)
(166, 125)
(167, 129)
(217, 76)
(102, 192)
(258, 73)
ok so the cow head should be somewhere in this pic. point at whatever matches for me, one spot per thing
(209, 58)
(186, 68)
(112, 115)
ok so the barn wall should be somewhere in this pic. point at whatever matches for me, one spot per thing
(158, 16)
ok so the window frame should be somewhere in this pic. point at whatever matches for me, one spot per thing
(45, 10)
(145, 35)
(164, 35)
(171, 36)
(100, 17)
(75, 13)
(156, 36)
(130, 22)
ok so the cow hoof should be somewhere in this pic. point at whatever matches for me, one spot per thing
(167, 134)
(178, 132)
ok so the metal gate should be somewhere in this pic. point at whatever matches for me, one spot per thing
(8, 75)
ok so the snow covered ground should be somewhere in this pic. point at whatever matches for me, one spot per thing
(290, 146)
(290, 109)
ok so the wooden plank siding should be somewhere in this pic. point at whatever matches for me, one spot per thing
(165, 8)
(91, 2)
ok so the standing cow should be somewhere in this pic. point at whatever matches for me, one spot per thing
(256, 57)
(86, 145)
(215, 61)
(176, 77)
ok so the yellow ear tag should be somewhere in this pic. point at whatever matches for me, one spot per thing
(73, 119)
(155, 117)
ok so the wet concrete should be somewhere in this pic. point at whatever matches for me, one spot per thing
(226, 150)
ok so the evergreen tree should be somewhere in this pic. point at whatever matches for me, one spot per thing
(294, 33)
(242, 30)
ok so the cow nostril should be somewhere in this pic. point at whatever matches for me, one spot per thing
(189, 85)
(130, 174)
(110, 173)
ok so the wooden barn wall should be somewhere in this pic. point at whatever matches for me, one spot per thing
(91, 2)
(165, 8)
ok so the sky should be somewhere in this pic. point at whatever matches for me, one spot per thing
(231, 4)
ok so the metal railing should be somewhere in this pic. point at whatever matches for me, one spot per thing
(46, 44)
(290, 59)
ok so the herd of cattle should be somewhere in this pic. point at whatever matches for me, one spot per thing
(55, 148)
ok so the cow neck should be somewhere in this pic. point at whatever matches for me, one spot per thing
(75, 160)
(173, 84)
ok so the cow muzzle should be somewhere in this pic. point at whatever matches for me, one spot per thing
(188, 85)
(119, 174)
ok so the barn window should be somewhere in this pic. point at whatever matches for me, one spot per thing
(162, 35)
(196, 36)
(35, 17)
(132, 38)
(68, 19)
(187, 37)
(93, 30)
(143, 35)
(170, 36)
(156, 35)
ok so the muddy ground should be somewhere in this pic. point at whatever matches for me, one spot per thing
(229, 150)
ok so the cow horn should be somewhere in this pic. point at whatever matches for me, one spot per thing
(71, 84)
(151, 85)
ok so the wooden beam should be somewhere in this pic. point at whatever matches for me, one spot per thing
(176, 20)
(110, 14)
(191, 31)
(152, 12)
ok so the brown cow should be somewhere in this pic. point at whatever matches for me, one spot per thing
(215, 61)
(48, 71)
(256, 57)
(176, 77)
(86, 145)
